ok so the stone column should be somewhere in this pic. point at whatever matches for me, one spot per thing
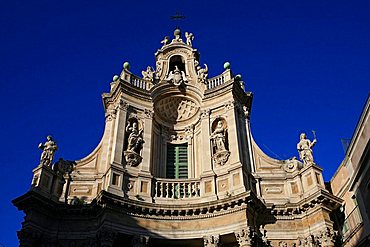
(140, 241)
(245, 237)
(211, 241)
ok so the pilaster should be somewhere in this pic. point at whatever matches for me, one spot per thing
(119, 132)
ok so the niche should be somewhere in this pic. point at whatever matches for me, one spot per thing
(178, 61)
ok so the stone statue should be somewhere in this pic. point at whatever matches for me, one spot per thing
(189, 38)
(48, 150)
(202, 73)
(218, 137)
(176, 76)
(304, 148)
(135, 139)
(165, 40)
(148, 74)
(158, 69)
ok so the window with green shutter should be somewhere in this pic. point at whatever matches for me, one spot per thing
(177, 161)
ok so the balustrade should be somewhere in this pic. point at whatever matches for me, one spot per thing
(215, 81)
(177, 188)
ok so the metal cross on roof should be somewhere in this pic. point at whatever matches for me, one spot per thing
(178, 16)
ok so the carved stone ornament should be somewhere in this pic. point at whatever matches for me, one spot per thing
(205, 114)
(64, 166)
(202, 73)
(177, 77)
(158, 69)
(211, 241)
(291, 164)
(220, 158)
(176, 109)
(48, 150)
(132, 158)
(148, 74)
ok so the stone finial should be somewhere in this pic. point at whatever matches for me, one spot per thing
(226, 65)
(304, 148)
(126, 65)
(177, 34)
(48, 150)
(115, 78)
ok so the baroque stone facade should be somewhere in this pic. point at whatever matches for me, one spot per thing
(177, 166)
(351, 182)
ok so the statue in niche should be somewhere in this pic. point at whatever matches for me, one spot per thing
(48, 150)
(177, 77)
(189, 38)
(202, 73)
(148, 74)
(218, 137)
(134, 140)
(304, 148)
(219, 140)
(134, 143)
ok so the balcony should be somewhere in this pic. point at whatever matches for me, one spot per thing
(176, 189)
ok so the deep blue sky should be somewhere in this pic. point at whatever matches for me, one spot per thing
(307, 63)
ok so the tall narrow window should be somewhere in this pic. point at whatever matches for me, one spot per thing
(177, 161)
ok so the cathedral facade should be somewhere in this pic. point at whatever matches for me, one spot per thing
(177, 166)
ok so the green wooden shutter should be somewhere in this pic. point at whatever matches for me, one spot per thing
(177, 161)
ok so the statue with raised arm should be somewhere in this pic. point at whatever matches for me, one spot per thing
(48, 150)
(304, 148)
(165, 40)
(135, 139)
(218, 137)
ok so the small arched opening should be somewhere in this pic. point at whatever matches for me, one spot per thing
(177, 61)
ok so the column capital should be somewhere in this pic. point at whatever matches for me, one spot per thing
(211, 240)
(245, 237)
(140, 241)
